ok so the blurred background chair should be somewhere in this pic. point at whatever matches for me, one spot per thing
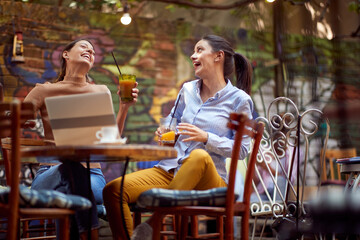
(331, 170)
(216, 202)
(335, 212)
(12, 116)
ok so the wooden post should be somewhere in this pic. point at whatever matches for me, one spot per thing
(277, 24)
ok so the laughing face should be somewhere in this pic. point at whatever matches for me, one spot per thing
(203, 59)
(81, 52)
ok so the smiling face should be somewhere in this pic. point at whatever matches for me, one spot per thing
(81, 52)
(203, 59)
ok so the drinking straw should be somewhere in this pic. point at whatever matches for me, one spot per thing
(117, 64)
(176, 104)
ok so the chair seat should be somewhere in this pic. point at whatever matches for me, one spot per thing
(46, 198)
(333, 182)
(45, 213)
(157, 197)
(136, 208)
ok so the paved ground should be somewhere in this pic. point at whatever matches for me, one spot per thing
(104, 231)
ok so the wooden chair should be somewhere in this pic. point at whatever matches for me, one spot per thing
(336, 218)
(12, 116)
(230, 208)
(331, 170)
(168, 226)
(45, 227)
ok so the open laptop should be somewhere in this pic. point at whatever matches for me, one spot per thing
(76, 118)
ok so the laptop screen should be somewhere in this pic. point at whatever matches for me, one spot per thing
(76, 118)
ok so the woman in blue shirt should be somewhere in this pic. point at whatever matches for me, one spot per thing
(204, 142)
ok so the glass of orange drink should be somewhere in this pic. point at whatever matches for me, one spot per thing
(168, 131)
(127, 83)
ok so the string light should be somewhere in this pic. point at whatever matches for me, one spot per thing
(126, 19)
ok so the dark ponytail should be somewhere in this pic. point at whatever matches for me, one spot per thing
(63, 62)
(243, 69)
(62, 70)
(243, 73)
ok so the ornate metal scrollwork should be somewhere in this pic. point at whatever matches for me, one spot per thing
(276, 167)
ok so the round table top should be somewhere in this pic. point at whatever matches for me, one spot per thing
(112, 152)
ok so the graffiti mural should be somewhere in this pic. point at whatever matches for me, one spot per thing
(135, 54)
(158, 53)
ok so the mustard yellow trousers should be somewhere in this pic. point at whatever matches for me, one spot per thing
(197, 172)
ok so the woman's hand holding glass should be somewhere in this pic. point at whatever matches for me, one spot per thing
(167, 133)
(195, 134)
(135, 93)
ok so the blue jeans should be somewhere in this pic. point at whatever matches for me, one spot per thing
(72, 178)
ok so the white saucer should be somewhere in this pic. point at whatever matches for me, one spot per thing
(117, 141)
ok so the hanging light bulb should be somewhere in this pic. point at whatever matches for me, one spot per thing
(270, 1)
(126, 19)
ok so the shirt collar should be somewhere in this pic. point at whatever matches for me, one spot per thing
(220, 93)
(223, 91)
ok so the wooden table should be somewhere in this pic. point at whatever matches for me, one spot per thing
(110, 152)
(103, 153)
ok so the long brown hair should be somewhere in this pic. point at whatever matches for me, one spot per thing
(243, 68)
(68, 47)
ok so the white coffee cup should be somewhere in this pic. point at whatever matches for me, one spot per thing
(107, 134)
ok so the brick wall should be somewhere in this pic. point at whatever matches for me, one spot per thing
(145, 48)
(158, 51)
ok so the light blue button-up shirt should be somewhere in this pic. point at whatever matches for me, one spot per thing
(212, 117)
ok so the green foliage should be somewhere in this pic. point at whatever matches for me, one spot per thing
(354, 6)
(171, 7)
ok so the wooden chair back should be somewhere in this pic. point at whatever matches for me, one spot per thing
(331, 170)
(244, 128)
